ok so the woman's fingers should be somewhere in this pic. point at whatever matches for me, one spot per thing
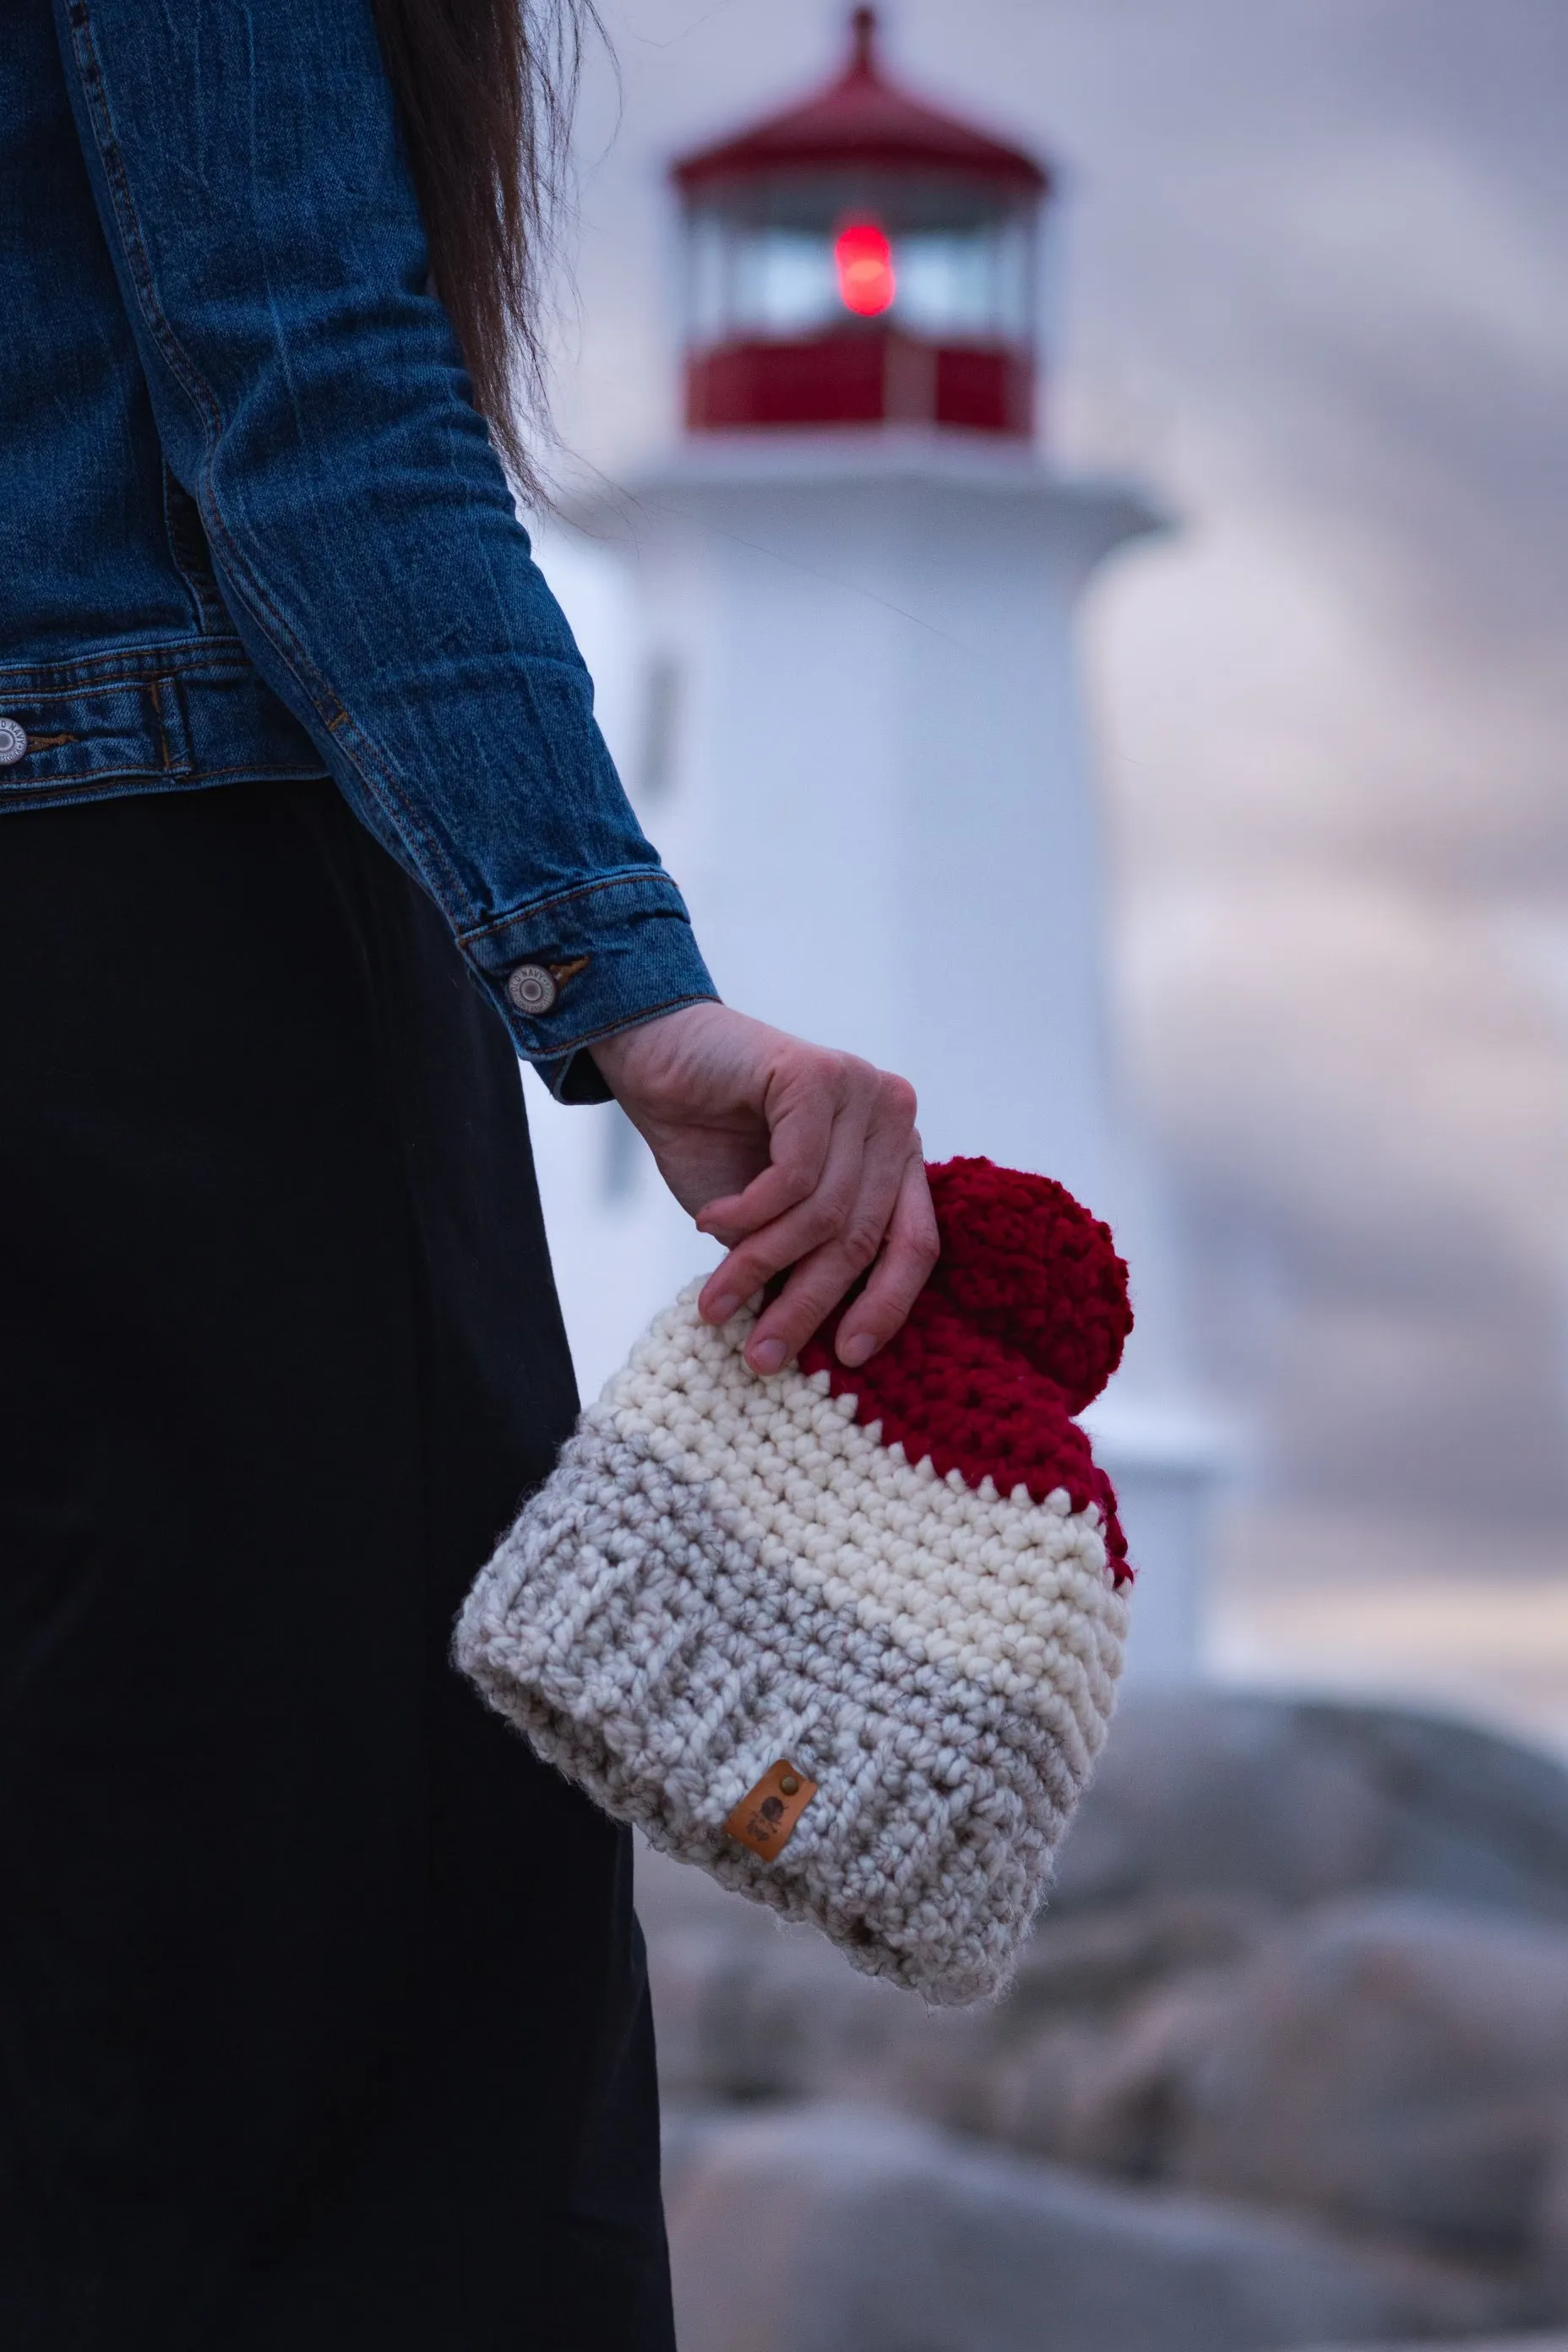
(829, 1239)
(795, 1235)
(819, 1282)
(820, 1276)
(900, 1275)
(801, 1121)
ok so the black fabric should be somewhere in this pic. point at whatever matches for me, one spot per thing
(323, 2021)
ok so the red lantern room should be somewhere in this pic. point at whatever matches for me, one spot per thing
(861, 259)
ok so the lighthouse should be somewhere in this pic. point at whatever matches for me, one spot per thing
(858, 739)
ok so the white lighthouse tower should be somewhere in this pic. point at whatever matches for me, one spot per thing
(860, 744)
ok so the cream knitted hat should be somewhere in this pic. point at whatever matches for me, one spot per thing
(847, 1639)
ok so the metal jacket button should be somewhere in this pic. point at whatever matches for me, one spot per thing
(14, 745)
(531, 988)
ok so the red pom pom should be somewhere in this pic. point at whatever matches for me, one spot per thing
(1019, 1328)
(1022, 1260)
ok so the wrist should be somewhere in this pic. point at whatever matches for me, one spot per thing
(624, 1059)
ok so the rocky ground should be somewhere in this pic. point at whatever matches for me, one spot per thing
(1286, 2065)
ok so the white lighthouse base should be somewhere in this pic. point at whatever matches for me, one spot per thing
(844, 699)
(1166, 1464)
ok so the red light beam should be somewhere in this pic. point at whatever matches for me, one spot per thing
(864, 260)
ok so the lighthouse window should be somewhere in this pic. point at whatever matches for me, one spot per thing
(783, 282)
(966, 283)
(938, 264)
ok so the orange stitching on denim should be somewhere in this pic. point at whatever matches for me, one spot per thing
(83, 783)
(539, 907)
(67, 677)
(155, 696)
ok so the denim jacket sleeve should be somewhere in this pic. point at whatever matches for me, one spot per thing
(310, 397)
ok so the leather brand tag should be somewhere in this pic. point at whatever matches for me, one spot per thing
(766, 1817)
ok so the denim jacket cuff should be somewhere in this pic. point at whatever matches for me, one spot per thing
(580, 966)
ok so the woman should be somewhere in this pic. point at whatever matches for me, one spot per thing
(323, 2019)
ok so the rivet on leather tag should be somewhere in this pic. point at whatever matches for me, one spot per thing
(766, 1817)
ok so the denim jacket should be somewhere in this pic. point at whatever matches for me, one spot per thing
(253, 526)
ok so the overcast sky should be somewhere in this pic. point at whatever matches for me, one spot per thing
(1314, 291)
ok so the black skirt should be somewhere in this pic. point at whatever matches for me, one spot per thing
(323, 2021)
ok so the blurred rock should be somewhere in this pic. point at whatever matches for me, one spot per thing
(744, 2017)
(833, 2230)
(749, 2010)
(1292, 1802)
(1055, 2040)
(1549, 2231)
(1392, 2064)
(1307, 1957)
(1089, 1960)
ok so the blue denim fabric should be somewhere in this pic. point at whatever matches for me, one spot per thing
(253, 525)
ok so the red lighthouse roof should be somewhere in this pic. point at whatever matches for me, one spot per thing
(862, 119)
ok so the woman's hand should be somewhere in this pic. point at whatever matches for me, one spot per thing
(793, 1157)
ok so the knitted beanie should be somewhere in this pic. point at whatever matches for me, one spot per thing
(847, 1639)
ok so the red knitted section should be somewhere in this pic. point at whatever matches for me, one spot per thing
(1024, 1261)
(1019, 1328)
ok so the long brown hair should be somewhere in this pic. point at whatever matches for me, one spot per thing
(486, 90)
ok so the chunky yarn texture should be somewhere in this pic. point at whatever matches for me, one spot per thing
(907, 1582)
